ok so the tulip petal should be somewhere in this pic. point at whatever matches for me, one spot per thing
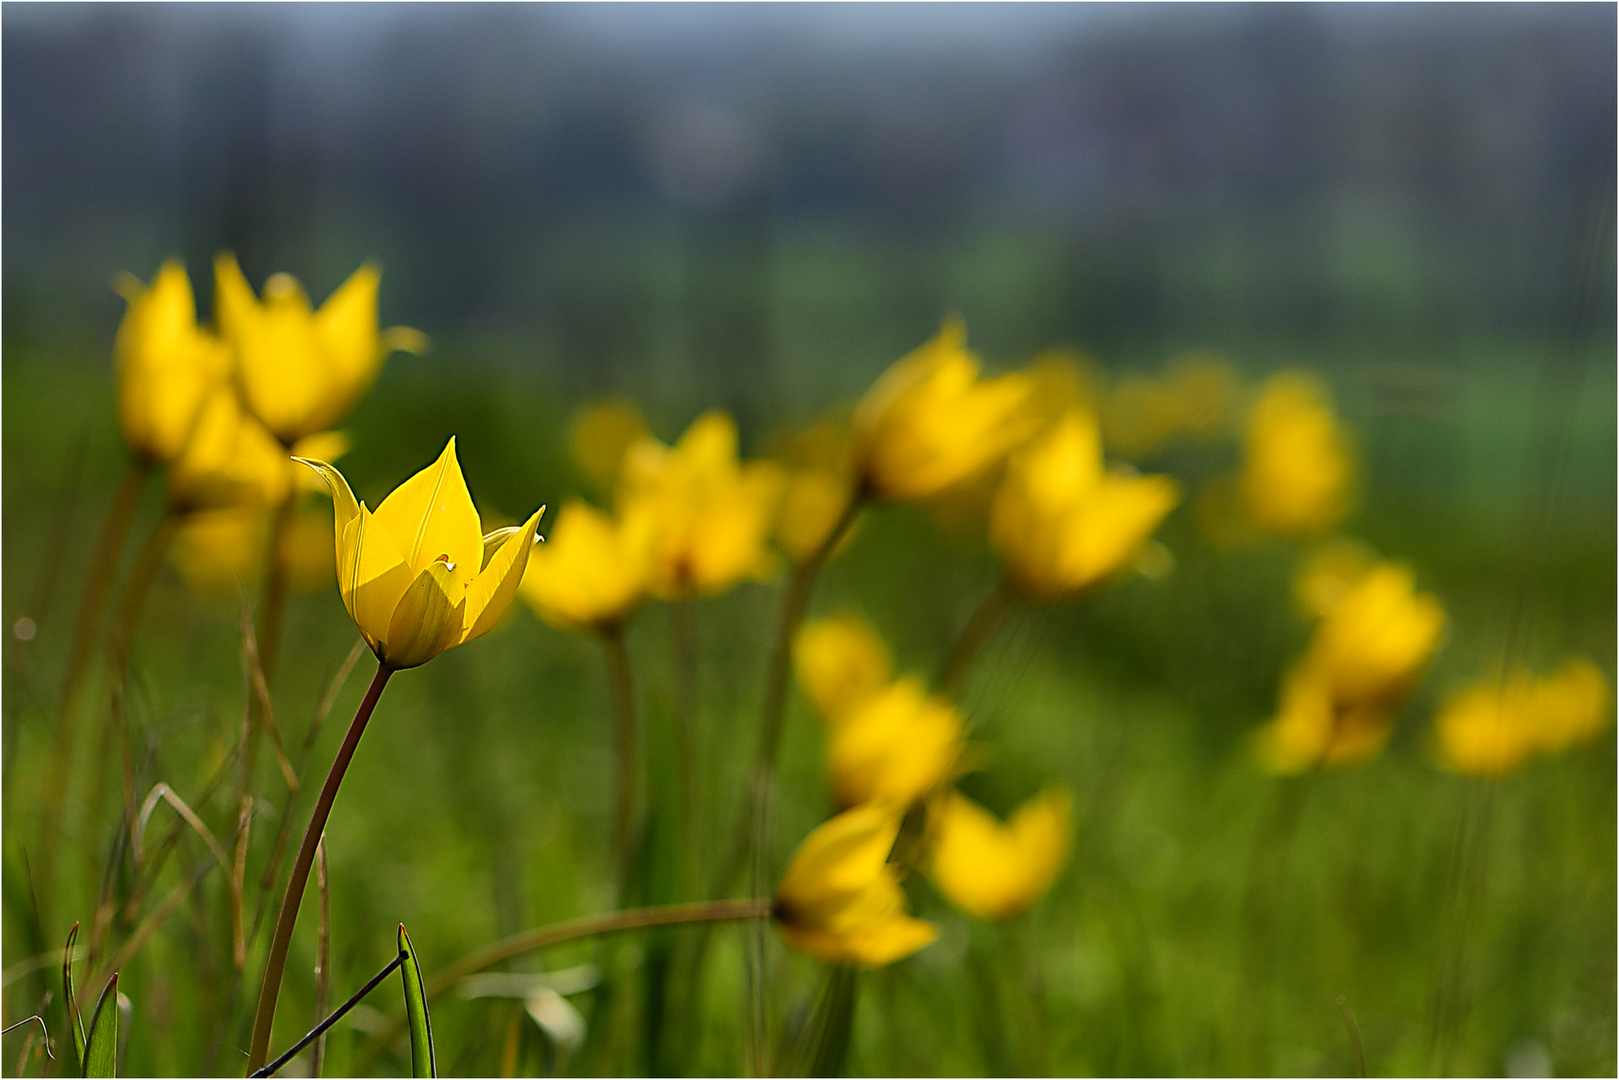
(379, 575)
(346, 325)
(494, 541)
(344, 506)
(491, 593)
(426, 620)
(431, 518)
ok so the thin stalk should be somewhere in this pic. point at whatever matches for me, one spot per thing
(342, 1011)
(323, 954)
(275, 588)
(622, 687)
(544, 937)
(683, 624)
(282, 940)
(87, 624)
(987, 618)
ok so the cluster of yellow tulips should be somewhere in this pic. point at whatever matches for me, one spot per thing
(240, 416)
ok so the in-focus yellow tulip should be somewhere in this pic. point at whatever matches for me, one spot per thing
(1297, 468)
(1492, 728)
(300, 370)
(930, 421)
(1338, 704)
(841, 662)
(840, 900)
(591, 572)
(897, 746)
(167, 366)
(1062, 524)
(990, 869)
(418, 576)
(711, 515)
(599, 435)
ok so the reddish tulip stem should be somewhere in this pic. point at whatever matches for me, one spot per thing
(259, 1052)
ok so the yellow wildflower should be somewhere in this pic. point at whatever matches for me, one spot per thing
(840, 900)
(600, 434)
(230, 460)
(416, 576)
(1061, 523)
(1493, 728)
(167, 366)
(896, 746)
(592, 572)
(930, 421)
(300, 370)
(840, 663)
(819, 489)
(991, 869)
(1298, 467)
(1364, 656)
(215, 550)
(711, 515)
(1328, 572)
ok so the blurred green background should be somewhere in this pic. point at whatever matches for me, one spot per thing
(760, 209)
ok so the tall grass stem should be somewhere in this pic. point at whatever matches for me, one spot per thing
(621, 686)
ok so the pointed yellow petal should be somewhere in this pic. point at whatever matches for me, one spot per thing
(430, 518)
(346, 326)
(344, 506)
(427, 619)
(490, 594)
(235, 306)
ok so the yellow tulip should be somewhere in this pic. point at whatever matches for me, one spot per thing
(819, 488)
(591, 572)
(841, 662)
(897, 746)
(712, 515)
(230, 460)
(930, 421)
(1298, 466)
(1062, 524)
(167, 366)
(1338, 704)
(1492, 728)
(217, 550)
(300, 370)
(993, 870)
(840, 899)
(599, 435)
(417, 576)
(1328, 572)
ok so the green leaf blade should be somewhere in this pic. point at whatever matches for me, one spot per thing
(421, 1027)
(75, 1024)
(101, 1049)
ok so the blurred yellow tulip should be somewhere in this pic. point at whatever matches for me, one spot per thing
(711, 515)
(819, 488)
(840, 899)
(300, 370)
(1492, 728)
(1061, 523)
(1193, 398)
(216, 550)
(991, 869)
(1298, 467)
(897, 746)
(1328, 572)
(1338, 704)
(841, 662)
(930, 421)
(416, 576)
(167, 366)
(591, 572)
(230, 460)
(599, 435)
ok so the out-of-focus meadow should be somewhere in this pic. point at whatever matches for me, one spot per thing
(1343, 275)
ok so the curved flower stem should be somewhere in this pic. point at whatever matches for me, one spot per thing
(622, 687)
(988, 617)
(282, 940)
(543, 937)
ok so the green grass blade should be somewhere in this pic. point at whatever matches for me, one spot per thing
(75, 1025)
(826, 1043)
(421, 1027)
(101, 1049)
